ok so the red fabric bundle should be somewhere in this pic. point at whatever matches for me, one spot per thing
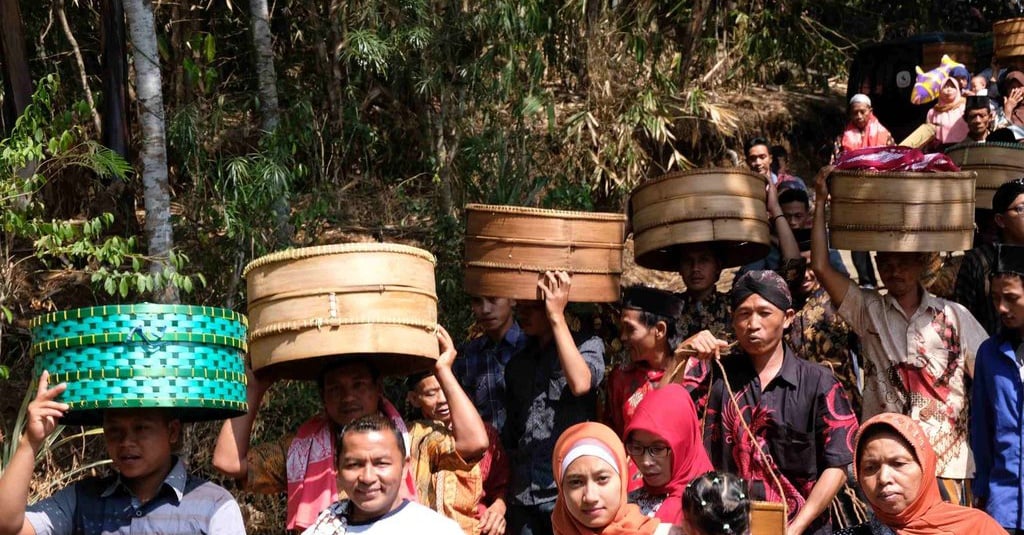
(895, 159)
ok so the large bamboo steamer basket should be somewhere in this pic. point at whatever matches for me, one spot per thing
(508, 247)
(995, 164)
(1009, 37)
(311, 306)
(961, 52)
(721, 207)
(902, 212)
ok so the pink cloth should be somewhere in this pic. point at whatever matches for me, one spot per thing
(312, 472)
(895, 159)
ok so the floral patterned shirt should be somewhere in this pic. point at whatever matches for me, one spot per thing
(919, 366)
(713, 313)
(647, 502)
(819, 335)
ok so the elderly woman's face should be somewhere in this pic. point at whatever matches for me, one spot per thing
(592, 491)
(859, 113)
(888, 473)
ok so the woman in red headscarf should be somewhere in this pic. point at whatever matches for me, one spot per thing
(589, 464)
(664, 440)
(895, 467)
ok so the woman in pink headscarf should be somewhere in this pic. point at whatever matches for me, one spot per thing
(947, 116)
(664, 440)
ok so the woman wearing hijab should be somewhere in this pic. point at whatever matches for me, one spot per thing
(589, 464)
(864, 129)
(947, 116)
(895, 467)
(663, 439)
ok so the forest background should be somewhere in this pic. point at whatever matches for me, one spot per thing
(151, 149)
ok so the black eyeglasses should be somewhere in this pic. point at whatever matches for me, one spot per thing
(656, 451)
(1019, 209)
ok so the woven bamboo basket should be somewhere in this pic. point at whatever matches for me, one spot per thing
(961, 52)
(908, 212)
(1009, 37)
(767, 518)
(995, 163)
(311, 306)
(186, 358)
(724, 208)
(507, 247)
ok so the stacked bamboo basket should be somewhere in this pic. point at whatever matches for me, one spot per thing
(509, 247)
(995, 164)
(312, 306)
(723, 208)
(902, 212)
(1009, 41)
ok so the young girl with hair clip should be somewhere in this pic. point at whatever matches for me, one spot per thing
(716, 503)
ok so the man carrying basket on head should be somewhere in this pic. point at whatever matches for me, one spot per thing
(152, 491)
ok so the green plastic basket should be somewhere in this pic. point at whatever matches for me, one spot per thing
(187, 358)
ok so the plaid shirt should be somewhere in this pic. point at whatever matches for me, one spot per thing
(480, 369)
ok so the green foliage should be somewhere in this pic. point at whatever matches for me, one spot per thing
(44, 142)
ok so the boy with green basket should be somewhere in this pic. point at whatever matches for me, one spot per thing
(151, 493)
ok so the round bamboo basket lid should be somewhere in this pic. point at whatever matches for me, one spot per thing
(995, 164)
(1008, 36)
(508, 247)
(722, 207)
(903, 212)
(308, 307)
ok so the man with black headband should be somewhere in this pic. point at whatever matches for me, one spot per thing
(918, 350)
(996, 420)
(649, 334)
(972, 282)
(794, 419)
(978, 117)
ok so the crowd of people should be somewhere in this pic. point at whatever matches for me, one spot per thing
(800, 385)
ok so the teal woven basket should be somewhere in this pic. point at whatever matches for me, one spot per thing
(187, 358)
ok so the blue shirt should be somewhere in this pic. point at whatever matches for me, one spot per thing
(105, 506)
(480, 369)
(997, 431)
(773, 261)
(540, 408)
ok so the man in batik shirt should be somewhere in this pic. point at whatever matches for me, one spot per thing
(818, 333)
(792, 438)
(918, 350)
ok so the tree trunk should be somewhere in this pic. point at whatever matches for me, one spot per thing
(156, 190)
(264, 45)
(116, 132)
(63, 18)
(17, 79)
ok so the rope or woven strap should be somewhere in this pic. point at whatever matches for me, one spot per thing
(137, 309)
(970, 145)
(540, 269)
(318, 323)
(128, 338)
(131, 373)
(344, 248)
(895, 228)
(682, 218)
(572, 244)
(543, 212)
(709, 171)
(946, 175)
(341, 290)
